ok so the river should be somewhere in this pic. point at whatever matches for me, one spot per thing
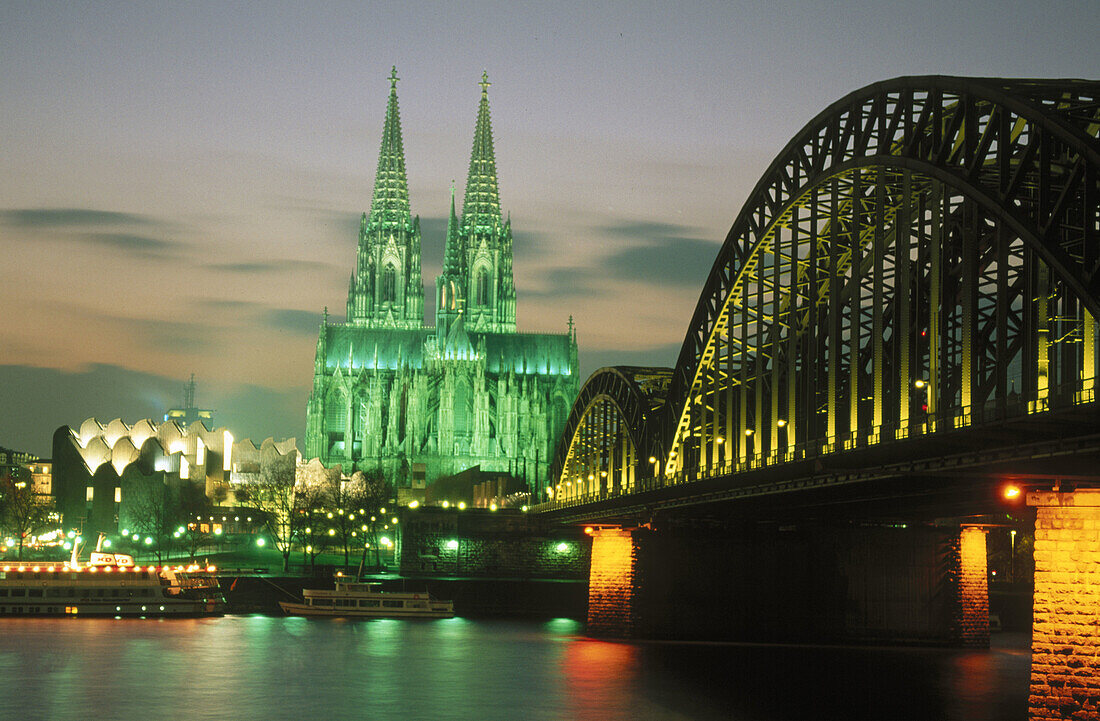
(272, 668)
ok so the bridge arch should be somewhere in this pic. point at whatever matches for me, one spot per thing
(923, 255)
(600, 448)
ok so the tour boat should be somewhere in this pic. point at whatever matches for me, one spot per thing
(353, 599)
(110, 584)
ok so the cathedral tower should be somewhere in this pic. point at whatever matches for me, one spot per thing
(386, 290)
(477, 279)
(415, 401)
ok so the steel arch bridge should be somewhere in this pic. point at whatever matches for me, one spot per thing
(922, 258)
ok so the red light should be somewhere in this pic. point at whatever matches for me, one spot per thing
(1012, 492)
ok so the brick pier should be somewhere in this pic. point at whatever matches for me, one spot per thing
(1065, 637)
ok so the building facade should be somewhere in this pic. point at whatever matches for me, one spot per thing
(392, 392)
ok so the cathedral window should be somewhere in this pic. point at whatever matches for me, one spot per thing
(389, 281)
(483, 288)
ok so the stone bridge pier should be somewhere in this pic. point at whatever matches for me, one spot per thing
(1065, 635)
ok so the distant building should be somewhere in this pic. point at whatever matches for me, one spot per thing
(101, 470)
(189, 414)
(421, 402)
(12, 461)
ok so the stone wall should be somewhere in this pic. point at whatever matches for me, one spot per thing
(506, 543)
(1065, 665)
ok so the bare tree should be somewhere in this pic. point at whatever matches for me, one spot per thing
(194, 505)
(274, 496)
(154, 512)
(373, 495)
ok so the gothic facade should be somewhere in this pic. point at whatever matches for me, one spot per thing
(392, 392)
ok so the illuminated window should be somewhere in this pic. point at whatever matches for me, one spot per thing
(90, 494)
(118, 494)
(389, 280)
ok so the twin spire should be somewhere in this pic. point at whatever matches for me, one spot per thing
(481, 204)
(390, 207)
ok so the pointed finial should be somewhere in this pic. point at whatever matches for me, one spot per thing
(570, 324)
(484, 82)
(393, 79)
(326, 315)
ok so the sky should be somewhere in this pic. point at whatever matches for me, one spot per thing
(180, 183)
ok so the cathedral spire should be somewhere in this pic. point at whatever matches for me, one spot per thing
(390, 207)
(452, 252)
(481, 204)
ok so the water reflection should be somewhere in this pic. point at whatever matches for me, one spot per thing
(258, 667)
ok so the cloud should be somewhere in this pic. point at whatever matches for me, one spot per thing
(69, 217)
(134, 245)
(301, 322)
(48, 398)
(170, 336)
(662, 252)
(270, 266)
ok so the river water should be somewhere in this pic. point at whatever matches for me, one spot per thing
(271, 668)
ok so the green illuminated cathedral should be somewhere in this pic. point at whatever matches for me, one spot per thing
(392, 392)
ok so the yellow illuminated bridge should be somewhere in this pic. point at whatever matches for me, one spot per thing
(910, 290)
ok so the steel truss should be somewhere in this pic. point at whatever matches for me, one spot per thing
(923, 255)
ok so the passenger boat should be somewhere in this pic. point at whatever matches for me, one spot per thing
(353, 599)
(110, 584)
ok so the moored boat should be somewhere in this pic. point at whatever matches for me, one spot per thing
(354, 599)
(110, 584)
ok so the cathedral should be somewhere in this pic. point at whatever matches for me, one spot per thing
(425, 401)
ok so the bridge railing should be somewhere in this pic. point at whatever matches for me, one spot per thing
(989, 413)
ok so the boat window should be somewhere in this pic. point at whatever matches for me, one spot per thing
(35, 592)
(345, 602)
(393, 604)
(3, 592)
(368, 604)
(19, 592)
(53, 592)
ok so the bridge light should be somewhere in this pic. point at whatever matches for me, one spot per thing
(1012, 492)
(414, 504)
(462, 505)
(603, 473)
(919, 383)
(652, 459)
(748, 431)
(591, 477)
(781, 423)
(589, 530)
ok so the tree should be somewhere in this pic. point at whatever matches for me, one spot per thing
(347, 501)
(375, 491)
(274, 495)
(154, 513)
(193, 507)
(313, 533)
(21, 512)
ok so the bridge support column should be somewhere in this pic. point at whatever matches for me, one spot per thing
(1065, 635)
(613, 584)
(971, 628)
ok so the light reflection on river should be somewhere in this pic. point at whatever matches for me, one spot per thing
(260, 667)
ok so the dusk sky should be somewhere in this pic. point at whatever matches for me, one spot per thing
(180, 184)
